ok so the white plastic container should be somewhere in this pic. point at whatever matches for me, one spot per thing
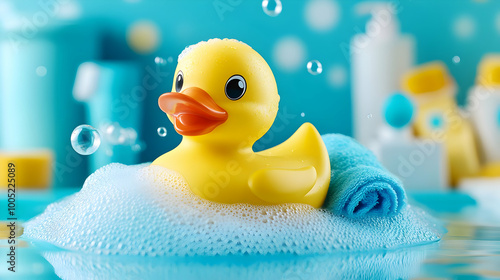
(379, 57)
(421, 164)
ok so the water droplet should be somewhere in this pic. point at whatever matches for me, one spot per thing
(170, 59)
(369, 116)
(162, 132)
(456, 59)
(314, 67)
(302, 114)
(160, 61)
(41, 71)
(272, 7)
(85, 139)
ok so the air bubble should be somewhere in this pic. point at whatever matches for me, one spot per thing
(162, 132)
(85, 139)
(314, 67)
(160, 61)
(272, 7)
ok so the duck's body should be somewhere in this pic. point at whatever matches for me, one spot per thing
(215, 156)
(298, 170)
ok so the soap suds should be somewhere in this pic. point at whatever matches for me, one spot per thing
(150, 210)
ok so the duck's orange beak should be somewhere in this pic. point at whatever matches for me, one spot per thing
(193, 111)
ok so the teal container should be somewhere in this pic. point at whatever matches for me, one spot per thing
(37, 109)
(113, 95)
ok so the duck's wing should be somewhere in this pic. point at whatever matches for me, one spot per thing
(306, 142)
(282, 185)
(306, 148)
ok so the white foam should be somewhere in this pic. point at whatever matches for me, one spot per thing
(150, 210)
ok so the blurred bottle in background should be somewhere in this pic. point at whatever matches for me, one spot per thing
(440, 120)
(379, 57)
(37, 109)
(113, 97)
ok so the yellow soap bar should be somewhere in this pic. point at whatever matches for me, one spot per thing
(429, 77)
(5, 231)
(488, 72)
(29, 169)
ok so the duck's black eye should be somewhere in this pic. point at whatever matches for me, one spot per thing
(235, 87)
(179, 81)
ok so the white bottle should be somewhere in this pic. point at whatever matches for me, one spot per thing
(484, 107)
(419, 163)
(379, 57)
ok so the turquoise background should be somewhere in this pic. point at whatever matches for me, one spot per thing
(328, 107)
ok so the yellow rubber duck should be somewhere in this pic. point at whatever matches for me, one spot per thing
(224, 98)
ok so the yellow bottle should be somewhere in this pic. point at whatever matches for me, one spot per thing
(484, 106)
(439, 118)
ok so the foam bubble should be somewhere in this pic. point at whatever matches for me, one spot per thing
(150, 210)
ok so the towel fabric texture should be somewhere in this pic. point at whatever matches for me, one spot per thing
(360, 186)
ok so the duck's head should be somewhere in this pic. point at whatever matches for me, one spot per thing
(223, 92)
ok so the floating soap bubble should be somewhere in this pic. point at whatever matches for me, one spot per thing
(170, 59)
(85, 139)
(160, 61)
(302, 114)
(314, 67)
(272, 7)
(456, 59)
(137, 147)
(130, 135)
(162, 132)
(114, 134)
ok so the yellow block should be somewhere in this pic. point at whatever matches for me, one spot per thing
(5, 230)
(31, 169)
(488, 72)
(429, 77)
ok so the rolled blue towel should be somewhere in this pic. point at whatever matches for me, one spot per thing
(360, 186)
